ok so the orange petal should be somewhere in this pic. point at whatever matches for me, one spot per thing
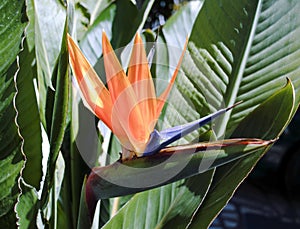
(93, 90)
(141, 80)
(125, 107)
(163, 97)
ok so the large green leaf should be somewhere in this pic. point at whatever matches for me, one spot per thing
(28, 119)
(11, 159)
(273, 55)
(266, 121)
(243, 54)
(176, 201)
(169, 165)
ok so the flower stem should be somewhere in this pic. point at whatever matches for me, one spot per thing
(115, 206)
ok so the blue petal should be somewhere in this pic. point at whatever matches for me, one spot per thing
(159, 140)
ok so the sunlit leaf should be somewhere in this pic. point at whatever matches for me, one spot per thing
(46, 24)
(87, 12)
(91, 43)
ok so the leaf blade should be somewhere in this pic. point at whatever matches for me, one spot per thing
(228, 177)
(11, 158)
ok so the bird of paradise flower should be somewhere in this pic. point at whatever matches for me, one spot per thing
(130, 106)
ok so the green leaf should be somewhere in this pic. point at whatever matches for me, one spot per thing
(46, 24)
(60, 104)
(172, 201)
(10, 33)
(245, 56)
(28, 119)
(27, 207)
(83, 217)
(57, 108)
(266, 121)
(87, 11)
(169, 165)
(84, 151)
(273, 56)
(271, 117)
(128, 20)
(178, 27)
(181, 210)
(11, 158)
(91, 43)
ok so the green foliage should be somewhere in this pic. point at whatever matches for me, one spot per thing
(27, 207)
(171, 206)
(28, 118)
(229, 176)
(57, 112)
(239, 50)
(128, 20)
(11, 158)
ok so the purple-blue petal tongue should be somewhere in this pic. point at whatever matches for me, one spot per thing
(159, 140)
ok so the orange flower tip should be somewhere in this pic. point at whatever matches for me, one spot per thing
(138, 39)
(106, 46)
(71, 44)
(104, 36)
(70, 40)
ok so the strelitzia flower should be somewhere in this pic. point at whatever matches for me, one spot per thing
(129, 106)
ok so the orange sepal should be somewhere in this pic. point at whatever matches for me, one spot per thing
(95, 93)
(141, 80)
(124, 99)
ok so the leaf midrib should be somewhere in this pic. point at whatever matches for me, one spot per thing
(237, 76)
